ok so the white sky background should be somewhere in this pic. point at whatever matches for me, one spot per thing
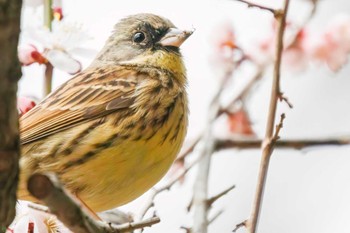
(307, 191)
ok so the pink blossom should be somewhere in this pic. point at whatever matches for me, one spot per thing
(339, 31)
(58, 13)
(29, 54)
(262, 51)
(224, 42)
(326, 50)
(333, 46)
(295, 56)
(24, 104)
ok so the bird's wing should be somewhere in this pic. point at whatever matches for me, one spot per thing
(91, 94)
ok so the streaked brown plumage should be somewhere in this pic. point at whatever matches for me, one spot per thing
(112, 131)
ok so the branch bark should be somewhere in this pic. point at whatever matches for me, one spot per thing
(288, 144)
(48, 17)
(200, 191)
(270, 137)
(254, 5)
(48, 189)
(10, 72)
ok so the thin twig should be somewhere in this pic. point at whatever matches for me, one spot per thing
(278, 128)
(283, 98)
(38, 207)
(126, 227)
(254, 5)
(239, 226)
(213, 199)
(188, 148)
(211, 220)
(216, 216)
(268, 145)
(245, 90)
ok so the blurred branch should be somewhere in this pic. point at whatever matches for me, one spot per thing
(213, 199)
(200, 192)
(188, 149)
(245, 90)
(211, 220)
(270, 137)
(10, 73)
(200, 218)
(216, 216)
(48, 78)
(254, 5)
(48, 17)
(48, 14)
(48, 189)
(294, 144)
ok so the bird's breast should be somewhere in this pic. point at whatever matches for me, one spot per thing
(141, 152)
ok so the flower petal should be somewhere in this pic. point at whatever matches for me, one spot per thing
(239, 123)
(24, 104)
(29, 54)
(63, 61)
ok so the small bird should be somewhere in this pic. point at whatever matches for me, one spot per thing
(112, 131)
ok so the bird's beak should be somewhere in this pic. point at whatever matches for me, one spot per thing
(175, 37)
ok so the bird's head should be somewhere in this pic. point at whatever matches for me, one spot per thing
(145, 39)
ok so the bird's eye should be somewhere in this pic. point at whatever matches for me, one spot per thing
(139, 37)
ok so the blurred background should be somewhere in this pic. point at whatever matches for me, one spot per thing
(307, 190)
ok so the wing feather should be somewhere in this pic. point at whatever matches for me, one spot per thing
(89, 95)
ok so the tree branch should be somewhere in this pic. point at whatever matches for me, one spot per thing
(270, 137)
(254, 5)
(288, 144)
(10, 72)
(48, 189)
(48, 17)
(213, 199)
(200, 189)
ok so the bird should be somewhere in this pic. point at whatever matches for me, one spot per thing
(111, 132)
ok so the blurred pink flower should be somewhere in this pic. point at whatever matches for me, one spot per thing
(29, 54)
(58, 13)
(24, 104)
(325, 50)
(333, 46)
(224, 43)
(339, 31)
(239, 123)
(262, 51)
(295, 56)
